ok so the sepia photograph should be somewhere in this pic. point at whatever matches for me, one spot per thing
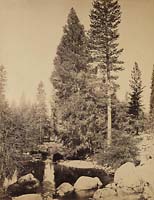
(76, 100)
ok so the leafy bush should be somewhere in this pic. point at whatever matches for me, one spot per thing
(122, 150)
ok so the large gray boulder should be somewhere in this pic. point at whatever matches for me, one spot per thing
(87, 183)
(86, 186)
(128, 180)
(65, 189)
(146, 174)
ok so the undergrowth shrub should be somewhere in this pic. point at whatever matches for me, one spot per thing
(123, 149)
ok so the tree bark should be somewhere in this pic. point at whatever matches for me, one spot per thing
(109, 120)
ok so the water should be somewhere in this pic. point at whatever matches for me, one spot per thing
(70, 171)
(48, 184)
(51, 175)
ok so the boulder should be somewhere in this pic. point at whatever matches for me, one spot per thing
(25, 185)
(105, 194)
(146, 174)
(28, 197)
(127, 179)
(26, 178)
(86, 186)
(85, 194)
(28, 182)
(65, 189)
(87, 183)
(128, 194)
(148, 192)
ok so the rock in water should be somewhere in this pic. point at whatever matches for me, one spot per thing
(25, 185)
(86, 186)
(105, 194)
(65, 189)
(29, 183)
(28, 197)
(87, 183)
(25, 179)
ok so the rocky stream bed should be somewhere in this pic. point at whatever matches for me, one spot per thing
(84, 180)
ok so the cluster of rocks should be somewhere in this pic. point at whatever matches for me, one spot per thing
(130, 183)
(24, 185)
(84, 187)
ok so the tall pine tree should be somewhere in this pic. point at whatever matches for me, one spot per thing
(135, 103)
(79, 115)
(105, 18)
(71, 59)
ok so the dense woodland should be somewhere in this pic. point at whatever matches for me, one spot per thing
(85, 114)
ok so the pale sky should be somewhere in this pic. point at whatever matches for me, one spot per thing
(30, 31)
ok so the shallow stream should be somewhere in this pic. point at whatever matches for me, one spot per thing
(51, 175)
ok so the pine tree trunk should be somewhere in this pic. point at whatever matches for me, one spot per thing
(109, 120)
(109, 107)
(40, 131)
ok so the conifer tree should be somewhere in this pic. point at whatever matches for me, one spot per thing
(43, 121)
(105, 18)
(70, 64)
(71, 59)
(152, 95)
(69, 77)
(135, 104)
